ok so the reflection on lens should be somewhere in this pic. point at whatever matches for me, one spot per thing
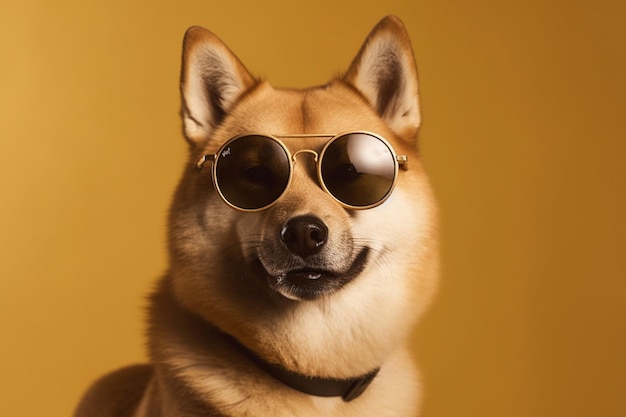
(358, 169)
(252, 171)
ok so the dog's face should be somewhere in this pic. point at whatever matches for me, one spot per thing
(306, 282)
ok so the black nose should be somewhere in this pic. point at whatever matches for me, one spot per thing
(304, 235)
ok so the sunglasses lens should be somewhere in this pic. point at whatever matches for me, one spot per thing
(252, 171)
(358, 169)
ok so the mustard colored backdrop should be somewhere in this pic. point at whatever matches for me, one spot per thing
(523, 135)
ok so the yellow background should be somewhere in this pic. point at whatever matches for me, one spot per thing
(523, 135)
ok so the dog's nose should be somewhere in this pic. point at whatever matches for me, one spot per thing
(304, 235)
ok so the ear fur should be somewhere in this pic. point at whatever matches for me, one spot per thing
(384, 72)
(212, 79)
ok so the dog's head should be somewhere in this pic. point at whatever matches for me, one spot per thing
(307, 280)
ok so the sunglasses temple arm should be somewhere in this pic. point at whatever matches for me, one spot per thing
(202, 161)
(403, 162)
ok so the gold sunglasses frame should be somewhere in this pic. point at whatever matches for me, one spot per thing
(400, 162)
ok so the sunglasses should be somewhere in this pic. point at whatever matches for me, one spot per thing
(252, 171)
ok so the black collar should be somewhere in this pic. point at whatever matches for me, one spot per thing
(347, 389)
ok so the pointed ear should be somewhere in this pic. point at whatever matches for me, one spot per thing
(384, 72)
(212, 79)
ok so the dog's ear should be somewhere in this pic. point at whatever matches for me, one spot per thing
(384, 72)
(212, 79)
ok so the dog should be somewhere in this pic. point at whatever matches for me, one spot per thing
(302, 246)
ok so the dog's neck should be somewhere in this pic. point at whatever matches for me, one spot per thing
(175, 317)
(347, 389)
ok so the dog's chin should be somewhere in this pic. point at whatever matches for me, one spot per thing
(310, 283)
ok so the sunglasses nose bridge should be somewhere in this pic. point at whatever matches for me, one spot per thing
(309, 151)
(308, 170)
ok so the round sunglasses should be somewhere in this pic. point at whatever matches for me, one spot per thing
(252, 171)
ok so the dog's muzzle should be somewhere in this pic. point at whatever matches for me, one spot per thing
(308, 274)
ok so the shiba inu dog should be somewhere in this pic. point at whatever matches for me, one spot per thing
(303, 246)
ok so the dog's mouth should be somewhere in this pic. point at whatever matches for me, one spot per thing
(311, 283)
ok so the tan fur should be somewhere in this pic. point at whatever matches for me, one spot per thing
(209, 294)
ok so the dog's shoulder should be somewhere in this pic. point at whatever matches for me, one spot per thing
(116, 394)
